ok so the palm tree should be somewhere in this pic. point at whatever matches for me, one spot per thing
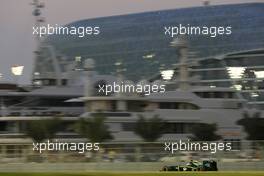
(150, 129)
(253, 125)
(39, 130)
(204, 132)
(94, 128)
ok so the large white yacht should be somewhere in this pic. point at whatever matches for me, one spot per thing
(181, 106)
(179, 109)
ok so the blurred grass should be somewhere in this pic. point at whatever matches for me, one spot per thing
(234, 173)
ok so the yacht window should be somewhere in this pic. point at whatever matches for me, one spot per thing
(206, 95)
(200, 94)
(219, 95)
(215, 94)
(177, 105)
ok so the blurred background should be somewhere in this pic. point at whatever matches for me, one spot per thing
(49, 86)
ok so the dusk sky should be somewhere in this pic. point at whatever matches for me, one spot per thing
(16, 40)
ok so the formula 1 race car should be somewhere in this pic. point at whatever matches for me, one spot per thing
(206, 165)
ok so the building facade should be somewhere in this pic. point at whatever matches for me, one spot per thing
(139, 42)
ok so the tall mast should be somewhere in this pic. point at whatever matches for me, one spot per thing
(39, 20)
(181, 44)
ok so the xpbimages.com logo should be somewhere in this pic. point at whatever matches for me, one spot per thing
(211, 147)
(80, 31)
(123, 87)
(212, 31)
(79, 147)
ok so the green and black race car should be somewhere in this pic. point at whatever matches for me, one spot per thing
(206, 165)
